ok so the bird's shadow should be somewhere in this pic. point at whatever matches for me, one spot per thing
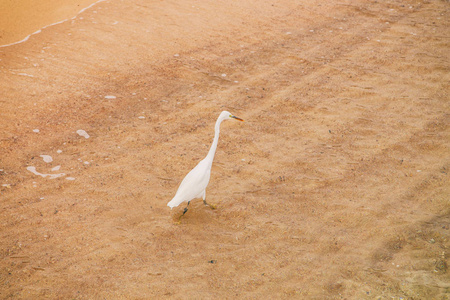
(197, 213)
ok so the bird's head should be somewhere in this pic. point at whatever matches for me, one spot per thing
(226, 115)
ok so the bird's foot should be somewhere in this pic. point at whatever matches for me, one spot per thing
(178, 221)
(179, 218)
(210, 205)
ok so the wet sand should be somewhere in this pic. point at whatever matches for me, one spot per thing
(335, 187)
(21, 18)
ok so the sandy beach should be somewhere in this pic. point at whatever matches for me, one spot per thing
(336, 186)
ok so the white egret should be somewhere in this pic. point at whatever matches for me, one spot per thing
(195, 183)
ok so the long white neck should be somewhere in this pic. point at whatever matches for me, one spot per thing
(212, 150)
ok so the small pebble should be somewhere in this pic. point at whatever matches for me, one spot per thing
(81, 132)
(47, 158)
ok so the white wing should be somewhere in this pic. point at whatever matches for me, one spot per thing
(193, 184)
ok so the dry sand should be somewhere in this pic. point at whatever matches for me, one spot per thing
(336, 187)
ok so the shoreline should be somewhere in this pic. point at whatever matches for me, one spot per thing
(26, 20)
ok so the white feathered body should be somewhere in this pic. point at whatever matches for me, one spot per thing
(193, 185)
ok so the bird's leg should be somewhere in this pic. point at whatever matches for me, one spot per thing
(185, 210)
(207, 204)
